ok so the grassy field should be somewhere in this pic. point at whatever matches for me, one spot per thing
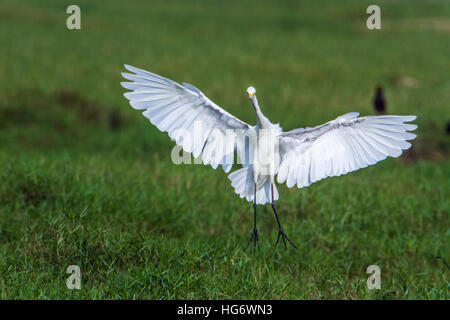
(86, 180)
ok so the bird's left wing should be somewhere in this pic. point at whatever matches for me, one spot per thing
(337, 147)
(186, 114)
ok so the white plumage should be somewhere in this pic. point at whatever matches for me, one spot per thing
(340, 146)
(173, 108)
(298, 157)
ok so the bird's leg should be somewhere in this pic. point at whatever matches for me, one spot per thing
(280, 229)
(254, 235)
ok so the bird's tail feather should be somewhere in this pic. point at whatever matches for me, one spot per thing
(243, 184)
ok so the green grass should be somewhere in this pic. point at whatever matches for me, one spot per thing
(86, 180)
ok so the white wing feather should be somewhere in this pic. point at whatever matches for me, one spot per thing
(340, 146)
(173, 108)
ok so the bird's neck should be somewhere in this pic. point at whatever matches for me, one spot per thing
(262, 120)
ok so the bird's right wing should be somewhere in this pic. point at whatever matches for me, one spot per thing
(178, 109)
(337, 147)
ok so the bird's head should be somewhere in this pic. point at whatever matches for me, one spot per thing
(251, 92)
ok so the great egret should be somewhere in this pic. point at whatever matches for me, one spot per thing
(297, 157)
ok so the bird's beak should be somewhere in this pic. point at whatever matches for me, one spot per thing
(250, 95)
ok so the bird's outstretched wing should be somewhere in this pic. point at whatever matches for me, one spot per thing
(337, 147)
(177, 109)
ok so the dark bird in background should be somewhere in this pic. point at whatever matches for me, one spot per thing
(379, 102)
(447, 129)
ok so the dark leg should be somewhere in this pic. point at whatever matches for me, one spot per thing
(254, 235)
(280, 229)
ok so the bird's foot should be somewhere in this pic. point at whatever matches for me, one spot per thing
(253, 237)
(284, 237)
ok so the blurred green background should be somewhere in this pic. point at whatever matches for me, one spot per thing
(86, 180)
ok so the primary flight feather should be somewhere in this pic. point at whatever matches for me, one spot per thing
(298, 157)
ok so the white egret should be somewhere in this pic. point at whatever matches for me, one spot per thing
(298, 157)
